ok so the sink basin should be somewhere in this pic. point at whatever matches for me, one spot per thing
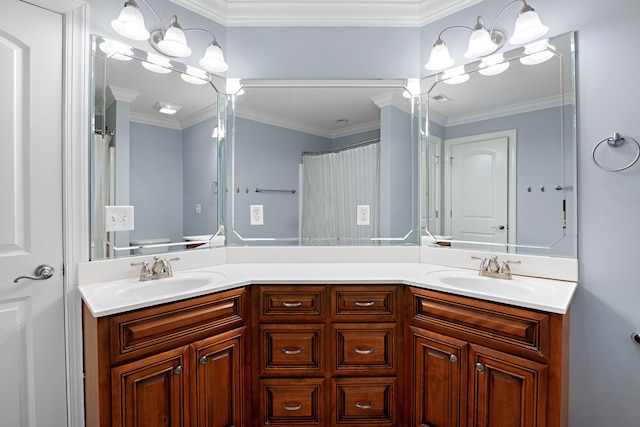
(470, 280)
(180, 282)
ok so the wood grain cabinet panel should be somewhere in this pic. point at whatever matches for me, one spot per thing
(292, 349)
(364, 402)
(291, 303)
(363, 347)
(287, 402)
(364, 303)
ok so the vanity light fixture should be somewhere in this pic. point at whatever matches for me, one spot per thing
(483, 42)
(116, 50)
(537, 52)
(168, 108)
(170, 42)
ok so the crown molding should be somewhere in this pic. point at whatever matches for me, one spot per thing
(356, 13)
(163, 122)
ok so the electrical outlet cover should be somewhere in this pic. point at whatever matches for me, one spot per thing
(257, 217)
(363, 212)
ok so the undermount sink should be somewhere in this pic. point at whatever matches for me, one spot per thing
(180, 282)
(470, 280)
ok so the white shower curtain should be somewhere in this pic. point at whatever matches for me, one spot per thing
(334, 185)
(101, 189)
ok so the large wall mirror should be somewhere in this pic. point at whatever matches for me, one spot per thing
(500, 157)
(153, 149)
(322, 163)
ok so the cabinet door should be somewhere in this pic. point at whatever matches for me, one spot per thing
(505, 390)
(151, 391)
(439, 380)
(218, 380)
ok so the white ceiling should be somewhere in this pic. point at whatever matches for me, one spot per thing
(394, 13)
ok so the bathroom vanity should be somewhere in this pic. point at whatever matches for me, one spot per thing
(328, 345)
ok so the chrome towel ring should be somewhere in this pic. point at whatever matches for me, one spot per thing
(615, 141)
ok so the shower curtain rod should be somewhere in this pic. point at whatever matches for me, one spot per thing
(346, 147)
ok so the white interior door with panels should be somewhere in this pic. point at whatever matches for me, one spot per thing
(32, 339)
(479, 182)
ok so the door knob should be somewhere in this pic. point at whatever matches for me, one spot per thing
(42, 272)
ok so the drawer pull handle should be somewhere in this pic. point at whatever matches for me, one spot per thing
(369, 351)
(361, 406)
(365, 304)
(291, 304)
(296, 351)
(292, 408)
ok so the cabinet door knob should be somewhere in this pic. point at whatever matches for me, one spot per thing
(292, 408)
(479, 367)
(290, 352)
(453, 358)
(369, 351)
(203, 360)
(291, 304)
(178, 370)
(363, 406)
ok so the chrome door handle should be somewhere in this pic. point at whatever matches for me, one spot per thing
(42, 272)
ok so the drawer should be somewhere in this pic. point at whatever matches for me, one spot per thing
(359, 303)
(364, 401)
(142, 332)
(511, 329)
(291, 303)
(292, 349)
(358, 347)
(299, 402)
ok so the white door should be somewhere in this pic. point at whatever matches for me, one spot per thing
(478, 189)
(433, 185)
(32, 341)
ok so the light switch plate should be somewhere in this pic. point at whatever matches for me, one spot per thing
(257, 217)
(118, 218)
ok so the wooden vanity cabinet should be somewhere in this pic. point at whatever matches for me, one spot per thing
(480, 364)
(326, 355)
(179, 364)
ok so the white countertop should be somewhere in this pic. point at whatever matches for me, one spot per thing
(111, 297)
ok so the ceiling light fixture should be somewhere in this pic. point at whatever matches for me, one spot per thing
(483, 42)
(169, 42)
(168, 108)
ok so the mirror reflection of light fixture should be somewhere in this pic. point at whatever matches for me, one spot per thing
(483, 42)
(493, 65)
(537, 52)
(170, 42)
(157, 64)
(455, 75)
(116, 50)
(167, 108)
(195, 76)
(234, 86)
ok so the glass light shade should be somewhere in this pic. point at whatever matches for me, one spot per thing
(528, 28)
(130, 23)
(439, 59)
(213, 59)
(480, 44)
(195, 76)
(174, 43)
(455, 75)
(157, 64)
(493, 65)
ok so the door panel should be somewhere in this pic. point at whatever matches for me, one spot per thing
(31, 311)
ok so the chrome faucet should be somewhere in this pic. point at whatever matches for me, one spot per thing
(490, 267)
(160, 269)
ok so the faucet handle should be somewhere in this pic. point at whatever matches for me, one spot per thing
(505, 269)
(483, 262)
